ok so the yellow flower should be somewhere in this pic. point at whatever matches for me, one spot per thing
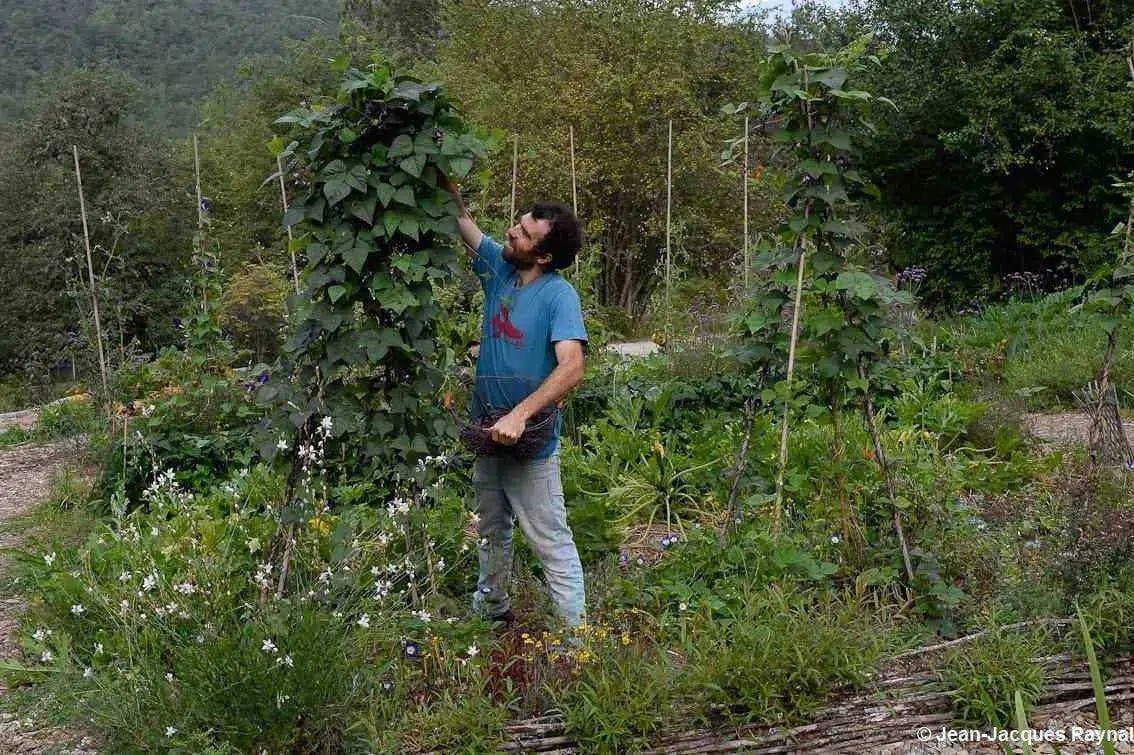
(625, 638)
(321, 526)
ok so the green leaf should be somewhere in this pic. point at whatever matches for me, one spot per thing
(402, 146)
(335, 191)
(413, 165)
(390, 221)
(356, 257)
(336, 292)
(397, 300)
(409, 227)
(363, 209)
(405, 196)
(460, 166)
(385, 193)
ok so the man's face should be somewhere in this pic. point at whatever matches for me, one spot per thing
(521, 240)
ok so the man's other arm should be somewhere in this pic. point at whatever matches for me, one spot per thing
(566, 375)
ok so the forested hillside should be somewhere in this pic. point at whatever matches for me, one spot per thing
(177, 49)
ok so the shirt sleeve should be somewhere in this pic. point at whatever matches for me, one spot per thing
(567, 317)
(490, 265)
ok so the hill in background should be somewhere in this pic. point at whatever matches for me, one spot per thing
(177, 50)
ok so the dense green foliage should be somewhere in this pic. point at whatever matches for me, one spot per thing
(178, 51)
(1014, 120)
(138, 219)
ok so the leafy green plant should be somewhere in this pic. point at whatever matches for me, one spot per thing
(779, 654)
(376, 230)
(622, 696)
(1096, 683)
(983, 678)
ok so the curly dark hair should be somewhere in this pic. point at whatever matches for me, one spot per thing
(564, 238)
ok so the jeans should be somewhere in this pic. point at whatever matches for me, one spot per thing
(530, 491)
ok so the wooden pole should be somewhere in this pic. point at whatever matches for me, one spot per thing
(668, 214)
(747, 260)
(290, 238)
(200, 220)
(90, 274)
(515, 168)
(574, 191)
(795, 314)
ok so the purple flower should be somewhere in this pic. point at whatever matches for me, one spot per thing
(412, 649)
(623, 558)
(262, 378)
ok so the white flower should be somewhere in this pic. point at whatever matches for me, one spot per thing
(200, 639)
(325, 424)
(440, 563)
(170, 731)
(168, 677)
(150, 581)
(39, 635)
(185, 588)
(124, 604)
(285, 661)
(269, 647)
(282, 444)
(423, 615)
(835, 539)
(125, 576)
(364, 621)
(77, 609)
(47, 656)
(98, 648)
(88, 673)
(682, 607)
(473, 650)
(49, 558)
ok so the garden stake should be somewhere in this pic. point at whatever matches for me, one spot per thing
(747, 264)
(668, 210)
(778, 513)
(574, 192)
(200, 221)
(90, 273)
(880, 457)
(515, 167)
(290, 238)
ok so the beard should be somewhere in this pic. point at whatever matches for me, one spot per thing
(519, 261)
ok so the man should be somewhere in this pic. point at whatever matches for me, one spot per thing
(531, 356)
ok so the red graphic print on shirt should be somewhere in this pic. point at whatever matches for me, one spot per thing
(502, 327)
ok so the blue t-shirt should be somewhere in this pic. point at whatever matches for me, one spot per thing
(521, 326)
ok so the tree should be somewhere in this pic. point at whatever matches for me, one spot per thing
(618, 71)
(1012, 119)
(138, 226)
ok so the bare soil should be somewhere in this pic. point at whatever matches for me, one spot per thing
(26, 474)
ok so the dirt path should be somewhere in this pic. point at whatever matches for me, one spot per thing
(1065, 427)
(26, 474)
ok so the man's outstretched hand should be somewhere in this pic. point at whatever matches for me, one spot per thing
(508, 429)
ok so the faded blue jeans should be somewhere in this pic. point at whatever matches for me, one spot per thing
(531, 492)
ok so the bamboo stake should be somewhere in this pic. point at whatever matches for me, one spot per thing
(90, 274)
(747, 261)
(290, 237)
(668, 213)
(200, 219)
(574, 191)
(515, 167)
(795, 314)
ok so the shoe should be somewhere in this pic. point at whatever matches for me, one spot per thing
(506, 619)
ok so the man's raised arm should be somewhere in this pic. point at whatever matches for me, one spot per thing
(470, 232)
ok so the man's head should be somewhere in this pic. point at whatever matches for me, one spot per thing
(549, 236)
